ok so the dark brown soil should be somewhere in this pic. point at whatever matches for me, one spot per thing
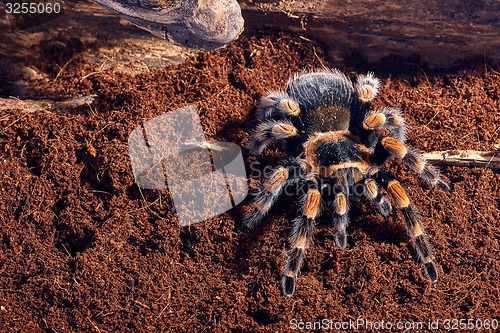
(83, 250)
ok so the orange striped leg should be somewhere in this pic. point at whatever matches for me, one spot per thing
(277, 105)
(413, 225)
(264, 199)
(269, 132)
(415, 161)
(367, 87)
(378, 199)
(340, 216)
(303, 228)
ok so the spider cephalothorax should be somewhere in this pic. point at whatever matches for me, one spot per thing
(336, 149)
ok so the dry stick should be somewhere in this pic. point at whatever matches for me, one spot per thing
(465, 158)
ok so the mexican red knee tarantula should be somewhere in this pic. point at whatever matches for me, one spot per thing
(336, 148)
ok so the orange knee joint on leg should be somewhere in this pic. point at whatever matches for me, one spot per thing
(282, 131)
(394, 147)
(374, 121)
(371, 188)
(340, 204)
(290, 107)
(311, 207)
(366, 93)
(398, 194)
(277, 179)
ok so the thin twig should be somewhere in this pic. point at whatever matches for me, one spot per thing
(95, 326)
(465, 158)
(61, 69)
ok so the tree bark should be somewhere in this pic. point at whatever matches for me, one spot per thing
(437, 32)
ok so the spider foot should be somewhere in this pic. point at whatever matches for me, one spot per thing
(340, 238)
(288, 285)
(431, 271)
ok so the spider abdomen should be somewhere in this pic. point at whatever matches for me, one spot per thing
(324, 99)
(312, 90)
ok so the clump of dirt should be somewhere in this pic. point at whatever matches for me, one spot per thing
(83, 249)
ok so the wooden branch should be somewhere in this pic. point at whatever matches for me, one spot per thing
(465, 158)
(44, 105)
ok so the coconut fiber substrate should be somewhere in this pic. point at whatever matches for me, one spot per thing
(83, 249)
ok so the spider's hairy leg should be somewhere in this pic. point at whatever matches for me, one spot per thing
(273, 186)
(412, 220)
(367, 87)
(388, 118)
(374, 121)
(269, 132)
(380, 201)
(415, 161)
(277, 105)
(417, 233)
(384, 122)
(340, 216)
(428, 172)
(301, 238)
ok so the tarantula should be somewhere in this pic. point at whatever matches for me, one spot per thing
(336, 149)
